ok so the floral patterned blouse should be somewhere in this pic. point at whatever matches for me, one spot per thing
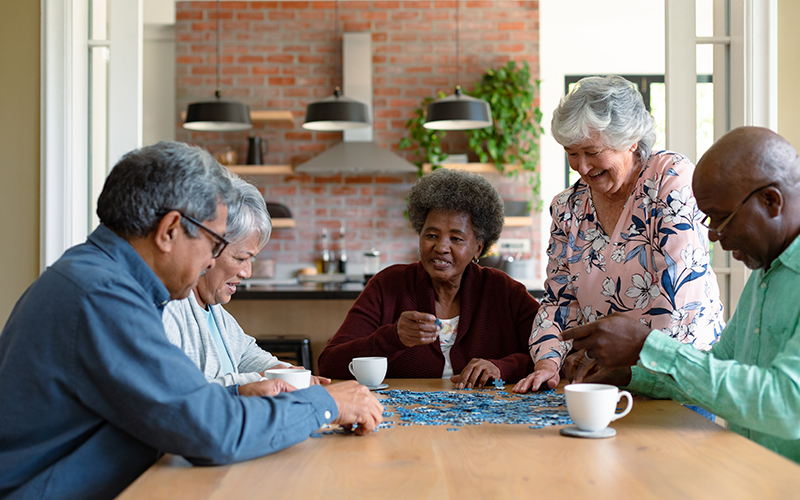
(653, 266)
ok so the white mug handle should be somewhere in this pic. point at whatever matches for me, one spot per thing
(627, 409)
(350, 367)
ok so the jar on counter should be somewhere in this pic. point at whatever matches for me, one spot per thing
(372, 264)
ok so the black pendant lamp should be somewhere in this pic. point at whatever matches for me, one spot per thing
(336, 112)
(217, 115)
(458, 111)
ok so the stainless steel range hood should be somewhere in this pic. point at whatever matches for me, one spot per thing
(357, 153)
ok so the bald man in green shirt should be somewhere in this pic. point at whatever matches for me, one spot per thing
(748, 185)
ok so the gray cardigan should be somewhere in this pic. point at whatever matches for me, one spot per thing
(186, 328)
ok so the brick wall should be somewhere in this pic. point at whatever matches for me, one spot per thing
(283, 55)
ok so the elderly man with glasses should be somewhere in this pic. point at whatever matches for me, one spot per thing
(751, 377)
(91, 390)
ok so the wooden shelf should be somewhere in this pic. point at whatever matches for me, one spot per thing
(272, 116)
(261, 169)
(285, 117)
(282, 223)
(518, 221)
(478, 168)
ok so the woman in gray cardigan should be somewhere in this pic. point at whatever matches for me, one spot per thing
(199, 325)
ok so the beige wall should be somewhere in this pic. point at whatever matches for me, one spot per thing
(19, 143)
(789, 71)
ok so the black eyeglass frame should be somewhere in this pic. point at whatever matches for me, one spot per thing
(219, 242)
(706, 222)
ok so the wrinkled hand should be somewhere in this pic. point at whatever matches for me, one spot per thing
(271, 387)
(578, 365)
(357, 405)
(416, 328)
(315, 380)
(545, 373)
(476, 374)
(614, 376)
(614, 341)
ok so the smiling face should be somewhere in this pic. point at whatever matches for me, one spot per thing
(604, 170)
(447, 244)
(217, 285)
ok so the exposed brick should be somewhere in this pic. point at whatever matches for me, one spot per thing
(281, 81)
(413, 57)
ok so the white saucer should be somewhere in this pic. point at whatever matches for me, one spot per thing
(377, 387)
(575, 432)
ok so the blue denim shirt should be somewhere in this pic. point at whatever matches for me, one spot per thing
(92, 393)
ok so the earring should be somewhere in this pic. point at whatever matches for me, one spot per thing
(475, 260)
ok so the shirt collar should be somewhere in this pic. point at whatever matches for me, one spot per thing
(119, 250)
(789, 257)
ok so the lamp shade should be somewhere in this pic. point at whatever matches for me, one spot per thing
(458, 112)
(336, 113)
(218, 116)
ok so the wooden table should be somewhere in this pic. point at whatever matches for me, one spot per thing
(662, 450)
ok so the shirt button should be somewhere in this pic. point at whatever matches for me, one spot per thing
(689, 391)
(757, 331)
(653, 364)
(763, 285)
(327, 415)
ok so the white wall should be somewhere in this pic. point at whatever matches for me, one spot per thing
(158, 75)
(587, 37)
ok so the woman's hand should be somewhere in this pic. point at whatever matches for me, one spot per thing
(416, 328)
(476, 374)
(544, 372)
(271, 387)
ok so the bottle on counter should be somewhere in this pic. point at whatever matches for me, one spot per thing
(342, 262)
(325, 260)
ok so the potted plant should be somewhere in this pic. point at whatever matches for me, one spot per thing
(428, 142)
(512, 139)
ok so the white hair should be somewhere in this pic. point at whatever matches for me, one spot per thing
(609, 106)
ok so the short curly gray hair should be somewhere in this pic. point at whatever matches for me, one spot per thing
(248, 214)
(458, 191)
(608, 105)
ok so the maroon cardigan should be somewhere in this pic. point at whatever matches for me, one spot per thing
(494, 324)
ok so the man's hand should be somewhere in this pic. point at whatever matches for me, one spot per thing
(476, 374)
(271, 387)
(544, 372)
(357, 405)
(614, 341)
(416, 328)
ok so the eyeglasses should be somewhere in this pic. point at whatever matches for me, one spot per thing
(718, 230)
(219, 242)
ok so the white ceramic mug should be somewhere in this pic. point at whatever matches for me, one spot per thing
(593, 406)
(369, 371)
(300, 379)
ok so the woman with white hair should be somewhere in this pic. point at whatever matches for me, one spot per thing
(626, 237)
(199, 325)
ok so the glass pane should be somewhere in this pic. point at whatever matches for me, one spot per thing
(704, 17)
(98, 126)
(98, 19)
(658, 108)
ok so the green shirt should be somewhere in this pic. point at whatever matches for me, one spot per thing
(751, 377)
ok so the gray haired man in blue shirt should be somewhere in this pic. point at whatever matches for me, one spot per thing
(91, 390)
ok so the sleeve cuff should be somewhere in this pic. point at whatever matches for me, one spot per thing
(324, 405)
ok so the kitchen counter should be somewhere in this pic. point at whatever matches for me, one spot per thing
(291, 290)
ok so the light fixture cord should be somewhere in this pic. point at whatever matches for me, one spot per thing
(217, 92)
(337, 88)
(458, 44)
